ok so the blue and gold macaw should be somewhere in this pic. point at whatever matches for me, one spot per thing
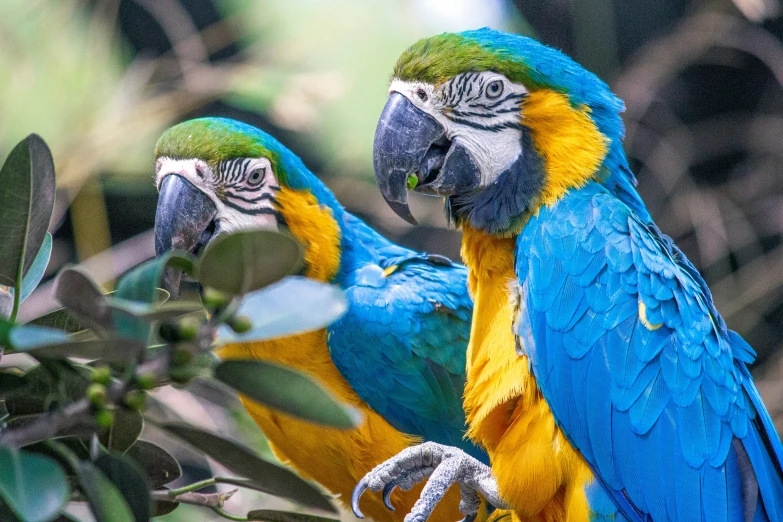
(602, 381)
(398, 354)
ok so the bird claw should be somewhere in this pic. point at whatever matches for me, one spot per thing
(358, 491)
(444, 465)
(388, 489)
(404, 481)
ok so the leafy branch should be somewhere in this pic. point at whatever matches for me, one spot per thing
(69, 430)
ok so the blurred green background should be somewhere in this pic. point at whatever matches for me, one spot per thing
(99, 80)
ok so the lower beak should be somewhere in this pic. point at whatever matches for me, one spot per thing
(409, 142)
(182, 222)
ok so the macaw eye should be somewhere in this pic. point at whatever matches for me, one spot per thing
(494, 89)
(422, 94)
(256, 177)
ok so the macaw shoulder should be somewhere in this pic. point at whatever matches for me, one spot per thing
(402, 343)
(410, 307)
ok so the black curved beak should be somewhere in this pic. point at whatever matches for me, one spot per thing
(410, 142)
(184, 221)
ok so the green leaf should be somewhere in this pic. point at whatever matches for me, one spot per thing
(77, 292)
(161, 468)
(142, 285)
(37, 269)
(60, 448)
(60, 319)
(26, 202)
(152, 312)
(292, 306)
(245, 261)
(269, 515)
(51, 384)
(106, 501)
(124, 431)
(130, 481)
(143, 282)
(241, 482)
(26, 338)
(238, 459)
(40, 341)
(286, 390)
(34, 486)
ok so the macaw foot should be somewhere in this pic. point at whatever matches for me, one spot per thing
(444, 465)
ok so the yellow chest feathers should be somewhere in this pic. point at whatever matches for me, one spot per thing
(538, 471)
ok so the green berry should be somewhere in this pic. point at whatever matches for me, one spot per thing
(413, 180)
(96, 394)
(136, 399)
(180, 375)
(181, 357)
(101, 375)
(146, 381)
(240, 324)
(104, 418)
(214, 298)
(188, 328)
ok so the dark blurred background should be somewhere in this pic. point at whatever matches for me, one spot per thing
(702, 81)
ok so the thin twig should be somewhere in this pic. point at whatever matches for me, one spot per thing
(212, 500)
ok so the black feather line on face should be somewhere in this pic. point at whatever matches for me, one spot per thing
(492, 128)
(512, 96)
(253, 211)
(263, 197)
(502, 206)
(242, 188)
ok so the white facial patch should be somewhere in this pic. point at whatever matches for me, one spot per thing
(481, 111)
(242, 189)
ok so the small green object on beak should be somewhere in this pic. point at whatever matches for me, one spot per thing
(413, 180)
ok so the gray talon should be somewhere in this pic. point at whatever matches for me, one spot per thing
(444, 465)
(358, 491)
(388, 489)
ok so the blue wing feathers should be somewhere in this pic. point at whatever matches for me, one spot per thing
(654, 474)
(653, 404)
(402, 344)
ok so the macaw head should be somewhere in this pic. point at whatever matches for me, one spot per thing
(217, 175)
(498, 124)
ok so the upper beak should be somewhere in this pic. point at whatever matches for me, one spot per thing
(182, 222)
(409, 141)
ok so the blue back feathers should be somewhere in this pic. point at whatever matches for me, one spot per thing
(639, 368)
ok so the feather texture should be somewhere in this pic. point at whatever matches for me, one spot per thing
(402, 344)
(667, 389)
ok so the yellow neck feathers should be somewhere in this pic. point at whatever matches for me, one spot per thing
(495, 374)
(538, 471)
(567, 140)
(313, 225)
